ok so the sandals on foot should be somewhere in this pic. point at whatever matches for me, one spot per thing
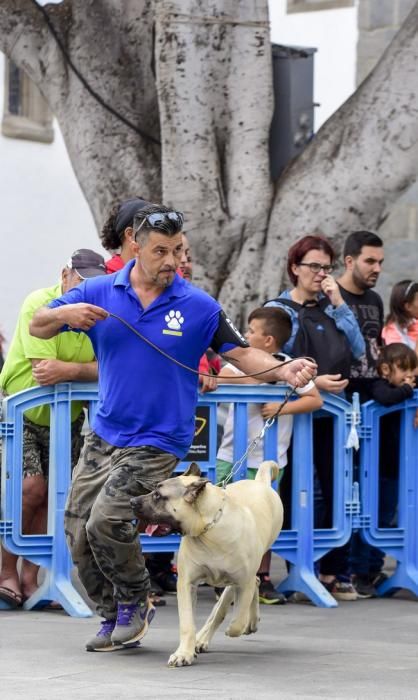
(11, 599)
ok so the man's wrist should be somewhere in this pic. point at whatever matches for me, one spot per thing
(60, 316)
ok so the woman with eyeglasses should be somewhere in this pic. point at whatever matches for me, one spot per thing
(323, 326)
(310, 263)
(402, 321)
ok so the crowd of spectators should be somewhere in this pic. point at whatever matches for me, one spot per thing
(337, 321)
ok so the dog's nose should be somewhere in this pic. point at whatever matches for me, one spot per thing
(134, 503)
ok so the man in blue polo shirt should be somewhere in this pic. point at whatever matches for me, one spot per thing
(148, 328)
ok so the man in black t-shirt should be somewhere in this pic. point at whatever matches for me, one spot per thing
(363, 259)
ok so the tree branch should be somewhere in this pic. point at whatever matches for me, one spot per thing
(360, 161)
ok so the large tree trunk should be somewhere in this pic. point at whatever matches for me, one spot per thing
(215, 92)
(210, 104)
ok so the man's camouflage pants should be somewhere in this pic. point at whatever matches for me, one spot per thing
(99, 524)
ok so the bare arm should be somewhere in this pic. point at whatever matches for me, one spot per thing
(331, 382)
(309, 402)
(228, 376)
(47, 322)
(46, 372)
(251, 360)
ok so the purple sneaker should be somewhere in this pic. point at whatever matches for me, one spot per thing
(102, 641)
(132, 622)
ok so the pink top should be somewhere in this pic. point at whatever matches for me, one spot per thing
(392, 333)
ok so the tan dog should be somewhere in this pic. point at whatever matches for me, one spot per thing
(226, 532)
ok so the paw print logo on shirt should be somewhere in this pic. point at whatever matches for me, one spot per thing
(174, 320)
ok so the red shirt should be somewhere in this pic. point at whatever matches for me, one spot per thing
(114, 264)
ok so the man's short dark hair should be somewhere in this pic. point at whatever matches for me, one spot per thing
(167, 226)
(356, 240)
(277, 323)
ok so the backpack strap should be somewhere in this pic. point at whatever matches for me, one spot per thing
(309, 303)
(289, 302)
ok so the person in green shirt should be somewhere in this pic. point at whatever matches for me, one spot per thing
(32, 362)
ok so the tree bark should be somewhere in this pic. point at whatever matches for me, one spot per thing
(112, 45)
(209, 101)
(215, 93)
(359, 163)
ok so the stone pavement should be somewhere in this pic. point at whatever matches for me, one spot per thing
(360, 651)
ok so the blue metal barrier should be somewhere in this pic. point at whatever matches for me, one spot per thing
(400, 542)
(301, 546)
(49, 550)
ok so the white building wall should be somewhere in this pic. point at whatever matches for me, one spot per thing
(44, 218)
(334, 34)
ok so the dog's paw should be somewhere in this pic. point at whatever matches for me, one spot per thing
(235, 630)
(180, 658)
(201, 646)
(251, 628)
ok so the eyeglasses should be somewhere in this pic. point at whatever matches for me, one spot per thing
(316, 267)
(161, 218)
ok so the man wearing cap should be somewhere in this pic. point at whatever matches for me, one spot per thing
(144, 422)
(32, 362)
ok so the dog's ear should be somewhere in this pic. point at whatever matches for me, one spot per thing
(192, 470)
(193, 490)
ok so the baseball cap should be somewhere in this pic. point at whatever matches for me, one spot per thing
(127, 211)
(87, 263)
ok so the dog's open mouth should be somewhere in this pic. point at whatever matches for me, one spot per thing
(159, 529)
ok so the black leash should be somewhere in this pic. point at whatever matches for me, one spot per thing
(190, 369)
(253, 444)
(268, 423)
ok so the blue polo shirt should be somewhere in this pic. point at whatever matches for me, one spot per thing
(144, 398)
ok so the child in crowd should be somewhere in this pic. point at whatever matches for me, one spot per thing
(397, 367)
(398, 370)
(402, 322)
(269, 328)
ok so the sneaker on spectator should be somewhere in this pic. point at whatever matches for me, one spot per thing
(102, 639)
(267, 593)
(132, 622)
(364, 586)
(367, 585)
(341, 588)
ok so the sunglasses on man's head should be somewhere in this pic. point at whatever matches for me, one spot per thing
(161, 218)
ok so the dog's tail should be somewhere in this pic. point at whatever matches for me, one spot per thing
(267, 471)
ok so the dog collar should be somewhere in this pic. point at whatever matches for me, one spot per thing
(216, 517)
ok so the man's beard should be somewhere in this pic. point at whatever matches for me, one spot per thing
(161, 282)
(157, 279)
(362, 282)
